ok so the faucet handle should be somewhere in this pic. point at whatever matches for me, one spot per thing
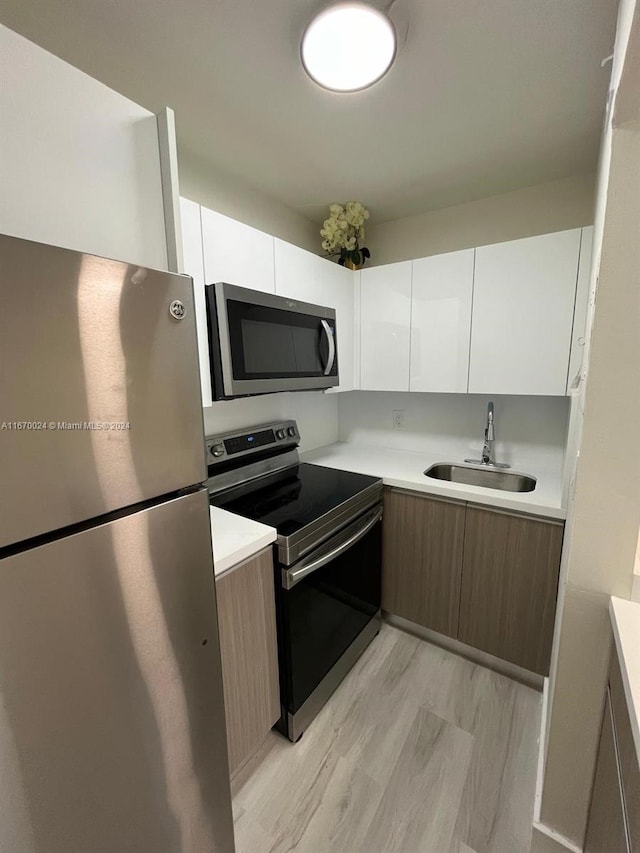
(489, 433)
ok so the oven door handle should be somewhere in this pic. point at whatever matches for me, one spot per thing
(332, 346)
(291, 577)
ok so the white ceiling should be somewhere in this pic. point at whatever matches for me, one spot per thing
(484, 97)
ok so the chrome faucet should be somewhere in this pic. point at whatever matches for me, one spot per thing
(488, 448)
(489, 438)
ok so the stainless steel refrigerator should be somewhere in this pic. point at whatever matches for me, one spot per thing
(112, 729)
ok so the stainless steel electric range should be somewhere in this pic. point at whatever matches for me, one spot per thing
(328, 557)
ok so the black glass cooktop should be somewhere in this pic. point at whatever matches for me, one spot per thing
(295, 497)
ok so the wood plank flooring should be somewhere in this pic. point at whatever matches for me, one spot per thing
(418, 751)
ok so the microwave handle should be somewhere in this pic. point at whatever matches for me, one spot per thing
(332, 347)
(291, 577)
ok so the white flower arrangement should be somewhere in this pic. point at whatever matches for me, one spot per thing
(343, 232)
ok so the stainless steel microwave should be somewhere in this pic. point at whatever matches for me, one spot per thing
(260, 343)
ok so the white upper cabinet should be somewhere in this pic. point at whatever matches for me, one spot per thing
(339, 290)
(502, 319)
(80, 164)
(299, 274)
(523, 303)
(441, 322)
(385, 313)
(193, 265)
(307, 277)
(583, 292)
(236, 253)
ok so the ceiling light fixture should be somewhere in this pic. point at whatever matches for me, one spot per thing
(348, 47)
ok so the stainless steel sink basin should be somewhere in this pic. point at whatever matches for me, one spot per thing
(481, 475)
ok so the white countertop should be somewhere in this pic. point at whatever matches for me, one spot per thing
(625, 618)
(235, 539)
(405, 469)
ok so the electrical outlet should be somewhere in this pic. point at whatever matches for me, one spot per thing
(398, 418)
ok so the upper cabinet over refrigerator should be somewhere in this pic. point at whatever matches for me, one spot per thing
(99, 377)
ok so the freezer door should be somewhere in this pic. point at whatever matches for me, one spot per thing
(112, 727)
(99, 387)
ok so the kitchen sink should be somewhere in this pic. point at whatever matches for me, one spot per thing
(481, 475)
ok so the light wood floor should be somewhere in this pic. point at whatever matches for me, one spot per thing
(418, 751)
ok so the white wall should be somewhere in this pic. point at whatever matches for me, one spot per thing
(315, 412)
(542, 209)
(554, 206)
(229, 194)
(79, 163)
(635, 588)
(452, 425)
(604, 510)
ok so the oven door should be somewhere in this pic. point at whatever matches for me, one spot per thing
(262, 343)
(328, 612)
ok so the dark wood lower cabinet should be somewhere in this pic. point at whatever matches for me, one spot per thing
(422, 559)
(249, 654)
(606, 828)
(627, 753)
(614, 815)
(482, 576)
(509, 586)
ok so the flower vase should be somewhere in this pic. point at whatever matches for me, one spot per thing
(351, 266)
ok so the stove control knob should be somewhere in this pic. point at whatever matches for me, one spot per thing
(280, 434)
(291, 431)
(217, 450)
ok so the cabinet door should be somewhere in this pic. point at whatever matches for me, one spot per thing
(339, 289)
(583, 292)
(629, 770)
(299, 274)
(606, 829)
(193, 263)
(248, 648)
(422, 559)
(385, 312)
(523, 301)
(509, 586)
(236, 253)
(442, 290)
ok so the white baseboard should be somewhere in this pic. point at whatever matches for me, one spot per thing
(542, 751)
(547, 840)
(635, 589)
